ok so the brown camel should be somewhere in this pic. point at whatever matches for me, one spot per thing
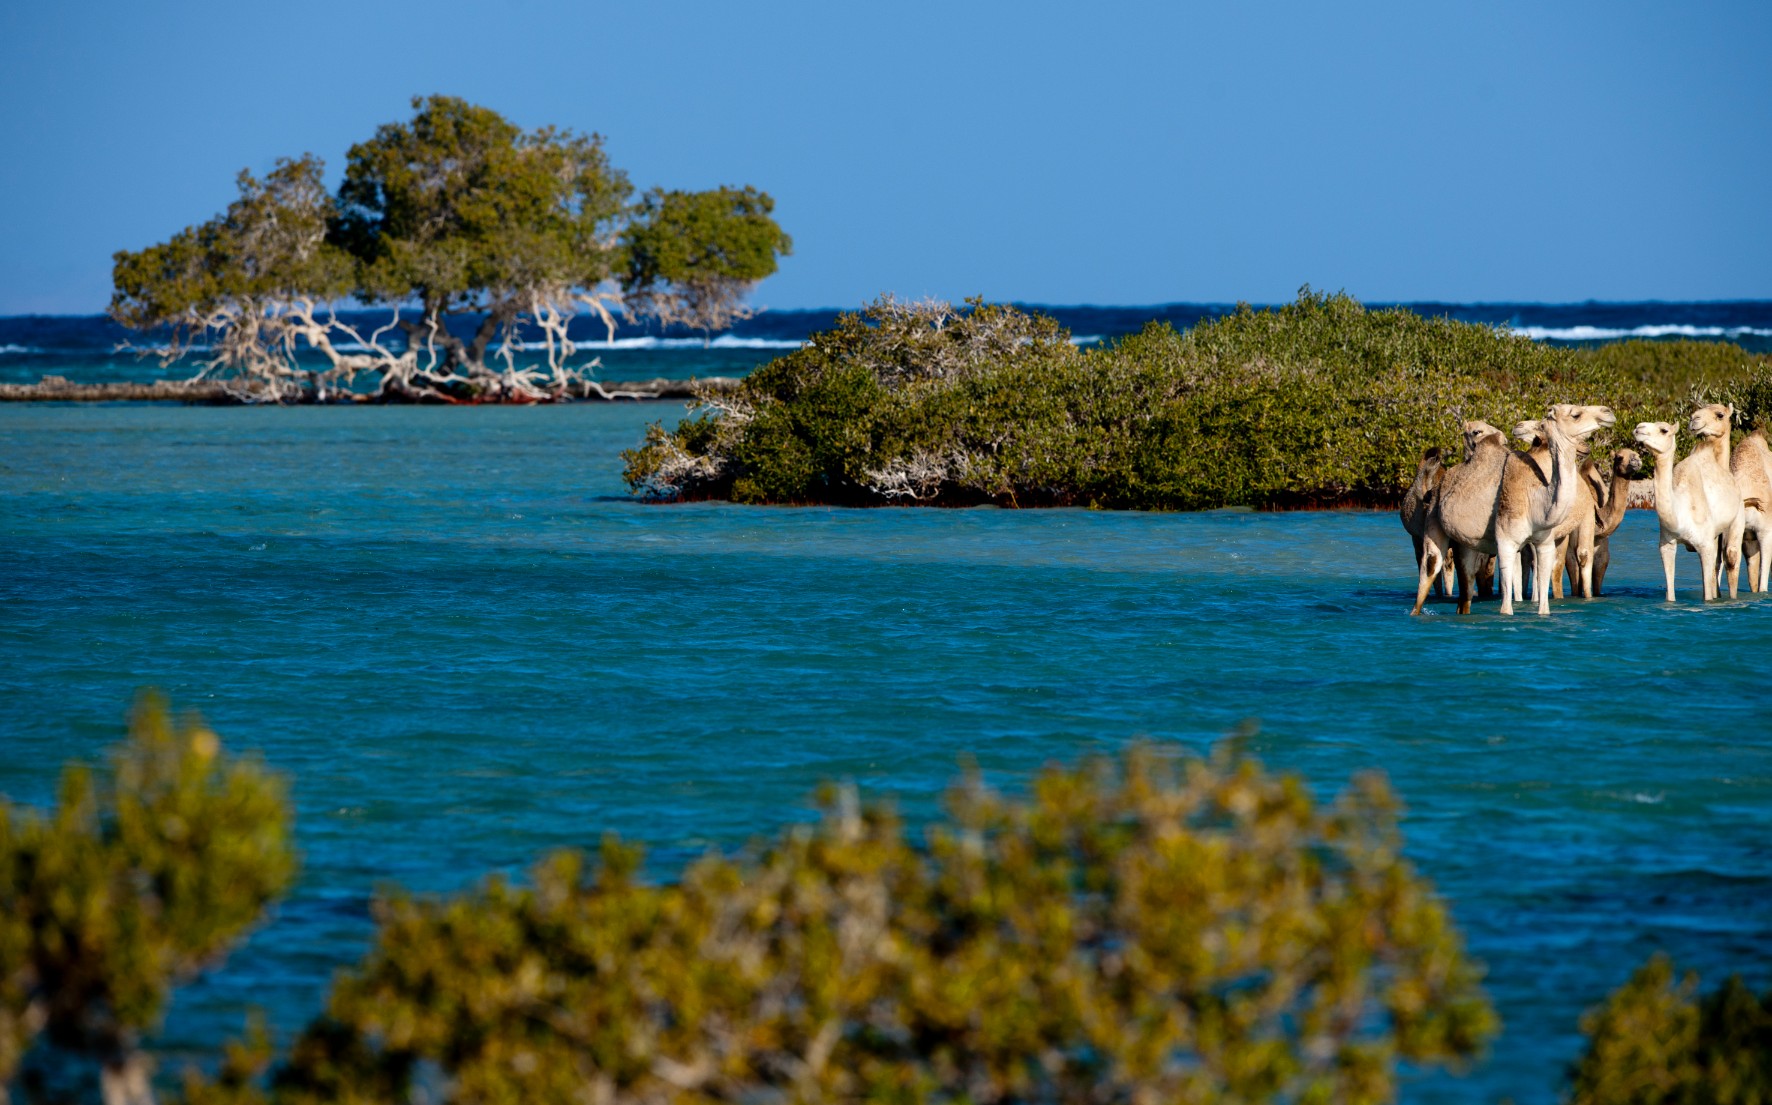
(1626, 466)
(1417, 501)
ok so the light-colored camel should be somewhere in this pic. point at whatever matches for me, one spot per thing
(1626, 466)
(1505, 502)
(1579, 540)
(1696, 499)
(1535, 504)
(1751, 465)
(1417, 501)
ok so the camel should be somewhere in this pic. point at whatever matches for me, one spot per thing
(1697, 500)
(1472, 432)
(1751, 465)
(1626, 466)
(1503, 502)
(1417, 501)
(1579, 539)
(1460, 521)
(1535, 503)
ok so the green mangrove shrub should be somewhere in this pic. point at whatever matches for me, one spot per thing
(135, 882)
(1321, 401)
(1156, 928)
(1654, 1043)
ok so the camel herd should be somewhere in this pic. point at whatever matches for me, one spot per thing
(1552, 508)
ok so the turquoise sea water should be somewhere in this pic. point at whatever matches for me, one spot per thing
(467, 646)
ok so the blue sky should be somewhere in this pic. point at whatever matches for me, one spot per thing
(1040, 152)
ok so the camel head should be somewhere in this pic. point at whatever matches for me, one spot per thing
(1575, 422)
(1626, 463)
(1711, 420)
(1529, 432)
(1657, 437)
(1475, 431)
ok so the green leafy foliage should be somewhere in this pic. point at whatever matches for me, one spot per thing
(134, 883)
(1158, 928)
(1319, 402)
(233, 273)
(692, 256)
(455, 211)
(461, 210)
(1651, 1043)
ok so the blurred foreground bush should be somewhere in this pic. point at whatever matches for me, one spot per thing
(1155, 929)
(1652, 1043)
(1319, 402)
(137, 881)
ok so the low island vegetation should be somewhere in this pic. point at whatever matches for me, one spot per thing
(455, 215)
(1151, 927)
(1321, 402)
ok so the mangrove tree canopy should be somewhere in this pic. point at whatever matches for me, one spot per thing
(456, 213)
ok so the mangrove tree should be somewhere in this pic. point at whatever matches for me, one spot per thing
(480, 240)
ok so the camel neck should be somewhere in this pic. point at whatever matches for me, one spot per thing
(1718, 447)
(1562, 461)
(1617, 499)
(1664, 486)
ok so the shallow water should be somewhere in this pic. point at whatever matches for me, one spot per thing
(467, 646)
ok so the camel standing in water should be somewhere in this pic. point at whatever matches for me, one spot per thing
(1697, 500)
(1626, 466)
(1575, 537)
(1417, 502)
(1500, 501)
(1751, 465)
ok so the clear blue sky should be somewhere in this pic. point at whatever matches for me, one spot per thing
(1040, 152)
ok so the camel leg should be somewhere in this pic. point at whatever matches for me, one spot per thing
(1426, 574)
(1602, 558)
(1707, 561)
(1732, 554)
(1449, 574)
(1507, 572)
(1544, 553)
(1560, 553)
(1485, 575)
(1586, 559)
(1469, 566)
(1670, 546)
(1515, 591)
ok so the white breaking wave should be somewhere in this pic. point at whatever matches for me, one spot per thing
(724, 341)
(1671, 330)
(19, 349)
